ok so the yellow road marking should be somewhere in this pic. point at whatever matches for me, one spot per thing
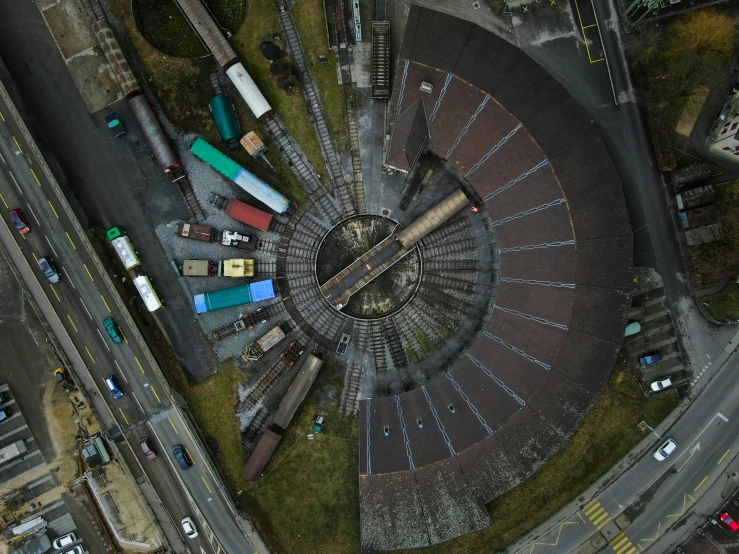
(700, 484)
(72, 322)
(55, 293)
(104, 302)
(172, 424)
(140, 366)
(88, 271)
(52, 209)
(581, 518)
(597, 513)
(656, 535)
(4, 202)
(589, 26)
(685, 501)
(90, 354)
(192, 460)
(206, 485)
(603, 524)
(619, 541)
(24, 236)
(18, 145)
(556, 541)
(600, 518)
(124, 337)
(591, 506)
(724, 456)
(155, 394)
(73, 246)
(124, 415)
(34, 176)
(2, 116)
(35, 257)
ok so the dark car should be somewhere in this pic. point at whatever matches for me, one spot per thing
(180, 454)
(112, 385)
(146, 448)
(114, 124)
(113, 331)
(648, 359)
(19, 220)
(49, 269)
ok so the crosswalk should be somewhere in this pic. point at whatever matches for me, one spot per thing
(622, 545)
(599, 517)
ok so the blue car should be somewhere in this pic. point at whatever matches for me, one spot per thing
(113, 387)
(649, 359)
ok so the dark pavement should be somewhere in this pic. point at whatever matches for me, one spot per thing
(101, 176)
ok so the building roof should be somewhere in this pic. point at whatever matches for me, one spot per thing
(410, 136)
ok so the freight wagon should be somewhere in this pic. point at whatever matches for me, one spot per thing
(234, 296)
(203, 233)
(249, 215)
(236, 267)
(257, 349)
(123, 247)
(225, 118)
(248, 182)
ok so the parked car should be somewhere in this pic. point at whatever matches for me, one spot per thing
(667, 448)
(76, 550)
(4, 397)
(730, 521)
(114, 124)
(649, 359)
(147, 449)
(66, 540)
(661, 384)
(47, 266)
(19, 220)
(113, 387)
(114, 331)
(632, 329)
(5, 414)
(189, 527)
(180, 454)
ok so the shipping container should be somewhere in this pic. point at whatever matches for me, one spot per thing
(262, 454)
(234, 296)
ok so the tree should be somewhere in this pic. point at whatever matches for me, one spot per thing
(706, 32)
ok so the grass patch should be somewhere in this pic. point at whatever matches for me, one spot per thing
(724, 305)
(607, 434)
(308, 501)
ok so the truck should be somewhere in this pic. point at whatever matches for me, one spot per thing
(257, 349)
(203, 233)
(123, 247)
(234, 296)
(235, 209)
(12, 451)
(236, 267)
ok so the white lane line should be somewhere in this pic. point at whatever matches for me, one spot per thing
(120, 370)
(34, 214)
(105, 342)
(16, 182)
(85, 306)
(52, 246)
(3, 159)
(137, 402)
(72, 283)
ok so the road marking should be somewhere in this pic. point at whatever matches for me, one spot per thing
(172, 424)
(34, 256)
(700, 484)
(72, 322)
(52, 246)
(55, 293)
(693, 450)
(685, 501)
(621, 544)
(17, 144)
(34, 214)
(106, 304)
(140, 366)
(70, 241)
(2, 116)
(155, 394)
(88, 273)
(4, 202)
(85, 306)
(90, 354)
(52, 209)
(71, 282)
(206, 484)
(16, 182)
(720, 415)
(656, 536)
(136, 398)
(102, 339)
(34, 176)
(124, 337)
(124, 415)
(190, 455)
(120, 370)
(724, 456)
(1, 156)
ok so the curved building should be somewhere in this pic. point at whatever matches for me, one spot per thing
(430, 459)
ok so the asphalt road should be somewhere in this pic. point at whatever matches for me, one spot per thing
(104, 175)
(79, 306)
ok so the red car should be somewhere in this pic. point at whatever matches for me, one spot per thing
(728, 520)
(19, 220)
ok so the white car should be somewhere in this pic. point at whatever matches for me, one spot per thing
(189, 527)
(667, 448)
(76, 550)
(662, 384)
(66, 540)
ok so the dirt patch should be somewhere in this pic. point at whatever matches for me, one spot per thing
(61, 416)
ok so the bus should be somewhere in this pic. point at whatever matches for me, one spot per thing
(123, 247)
(147, 293)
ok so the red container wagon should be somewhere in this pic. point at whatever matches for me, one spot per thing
(248, 214)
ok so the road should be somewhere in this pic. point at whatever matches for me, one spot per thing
(75, 308)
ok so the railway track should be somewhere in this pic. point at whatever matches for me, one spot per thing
(275, 128)
(248, 321)
(350, 393)
(270, 377)
(329, 207)
(188, 195)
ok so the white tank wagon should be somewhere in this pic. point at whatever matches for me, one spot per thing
(433, 219)
(248, 90)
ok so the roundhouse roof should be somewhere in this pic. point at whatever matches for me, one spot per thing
(431, 458)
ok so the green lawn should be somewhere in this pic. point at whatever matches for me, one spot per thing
(723, 306)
